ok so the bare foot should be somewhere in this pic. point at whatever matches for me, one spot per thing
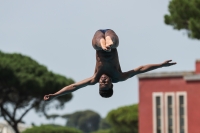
(109, 42)
(103, 45)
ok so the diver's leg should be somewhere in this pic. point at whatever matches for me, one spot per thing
(112, 39)
(98, 41)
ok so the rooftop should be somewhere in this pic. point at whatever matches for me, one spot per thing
(188, 76)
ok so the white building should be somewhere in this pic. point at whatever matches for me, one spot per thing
(6, 128)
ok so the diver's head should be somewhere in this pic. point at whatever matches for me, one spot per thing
(105, 86)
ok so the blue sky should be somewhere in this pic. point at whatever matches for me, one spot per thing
(58, 35)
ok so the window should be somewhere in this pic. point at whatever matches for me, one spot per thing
(169, 113)
(158, 112)
(181, 112)
(169, 109)
(158, 115)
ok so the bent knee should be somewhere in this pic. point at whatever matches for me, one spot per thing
(96, 47)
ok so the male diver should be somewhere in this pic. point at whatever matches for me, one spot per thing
(107, 70)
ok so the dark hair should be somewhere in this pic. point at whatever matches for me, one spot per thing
(106, 93)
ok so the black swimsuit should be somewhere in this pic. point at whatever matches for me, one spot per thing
(104, 30)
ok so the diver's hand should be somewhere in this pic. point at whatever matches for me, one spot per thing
(106, 48)
(168, 63)
(49, 97)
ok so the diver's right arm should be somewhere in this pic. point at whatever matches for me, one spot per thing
(71, 88)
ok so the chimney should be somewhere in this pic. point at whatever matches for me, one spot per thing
(197, 71)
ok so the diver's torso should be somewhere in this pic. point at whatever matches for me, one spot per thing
(108, 63)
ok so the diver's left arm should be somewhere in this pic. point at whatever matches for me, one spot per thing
(145, 68)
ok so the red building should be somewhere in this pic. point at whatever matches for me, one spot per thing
(170, 102)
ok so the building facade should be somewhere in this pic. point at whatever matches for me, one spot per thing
(170, 102)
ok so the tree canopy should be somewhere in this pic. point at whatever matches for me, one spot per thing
(87, 120)
(185, 14)
(121, 120)
(23, 84)
(124, 119)
(104, 124)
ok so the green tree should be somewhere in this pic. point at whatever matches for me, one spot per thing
(185, 14)
(124, 119)
(23, 83)
(103, 131)
(104, 124)
(104, 127)
(51, 129)
(87, 121)
(52, 116)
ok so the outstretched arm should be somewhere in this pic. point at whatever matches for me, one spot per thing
(71, 88)
(146, 68)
